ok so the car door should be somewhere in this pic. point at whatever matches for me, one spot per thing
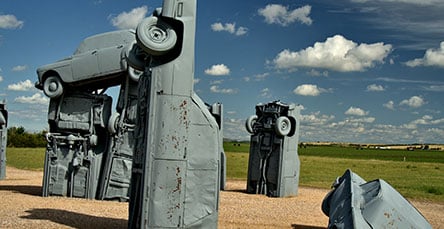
(109, 59)
(85, 65)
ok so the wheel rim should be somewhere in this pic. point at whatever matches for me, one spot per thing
(53, 87)
(283, 126)
(157, 34)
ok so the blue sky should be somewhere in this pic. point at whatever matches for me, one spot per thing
(362, 71)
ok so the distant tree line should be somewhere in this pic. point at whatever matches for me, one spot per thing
(18, 137)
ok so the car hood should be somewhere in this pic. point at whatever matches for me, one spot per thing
(54, 66)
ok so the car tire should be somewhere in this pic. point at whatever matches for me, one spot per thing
(113, 123)
(155, 36)
(250, 122)
(53, 87)
(283, 126)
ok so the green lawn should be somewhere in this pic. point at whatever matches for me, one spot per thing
(373, 154)
(26, 158)
(415, 178)
(420, 176)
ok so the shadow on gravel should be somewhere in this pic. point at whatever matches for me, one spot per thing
(236, 190)
(74, 219)
(298, 226)
(25, 189)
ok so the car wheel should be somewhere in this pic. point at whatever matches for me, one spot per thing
(155, 36)
(113, 123)
(283, 126)
(250, 122)
(53, 87)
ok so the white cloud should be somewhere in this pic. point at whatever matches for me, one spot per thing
(314, 72)
(241, 31)
(10, 22)
(216, 89)
(21, 86)
(432, 57)
(129, 20)
(322, 127)
(437, 88)
(214, 82)
(266, 93)
(317, 119)
(336, 53)
(37, 98)
(1, 78)
(424, 120)
(229, 27)
(389, 105)
(281, 15)
(218, 70)
(356, 111)
(19, 68)
(414, 101)
(308, 90)
(375, 87)
(257, 77)
(415, 2)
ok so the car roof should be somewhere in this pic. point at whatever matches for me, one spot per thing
(104, 40)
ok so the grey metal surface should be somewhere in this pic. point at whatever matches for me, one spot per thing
(216, 110)
(355, 203)
(273, 166)
(176, 172)
(3, 138)
(84, 158)
(73, 159)
(99, 57)
(116, 174)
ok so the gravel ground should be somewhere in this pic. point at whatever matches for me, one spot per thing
(22, 206)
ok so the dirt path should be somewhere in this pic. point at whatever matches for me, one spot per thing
(21, 206)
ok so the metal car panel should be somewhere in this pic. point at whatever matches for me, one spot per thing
(116, 173)
(273, 165)
(97, 58)
(355, 203)
(110, 61)
(176, 137)
(3, 138)
(73, 159)
(85, 65)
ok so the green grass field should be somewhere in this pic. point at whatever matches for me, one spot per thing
(420, 176)
(373, 154)
(26, 158)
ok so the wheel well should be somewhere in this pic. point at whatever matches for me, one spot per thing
(50, 73)
(293, 126)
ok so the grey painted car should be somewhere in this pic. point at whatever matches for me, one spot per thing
(99, 61)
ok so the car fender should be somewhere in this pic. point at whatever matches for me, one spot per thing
(62, 68)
